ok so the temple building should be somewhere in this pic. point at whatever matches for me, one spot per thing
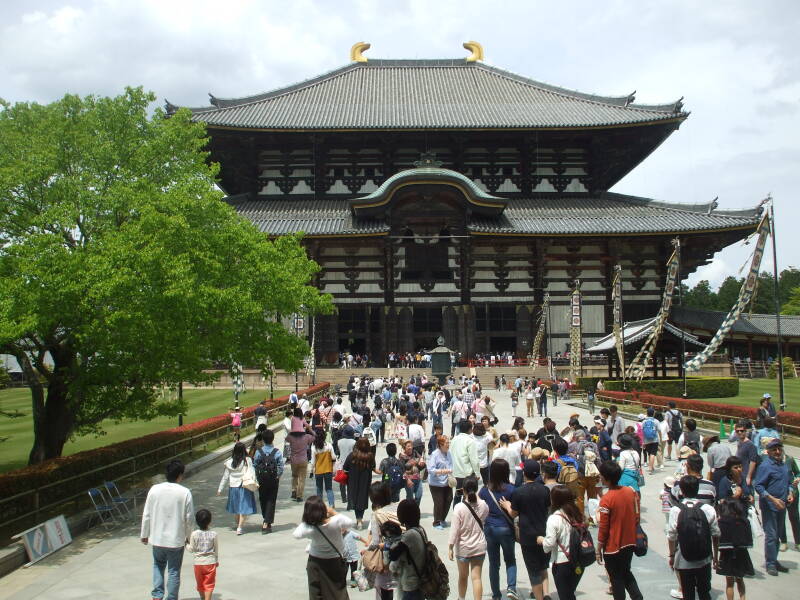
(448, 196)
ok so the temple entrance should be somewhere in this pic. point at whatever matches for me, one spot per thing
(499, 344)
(353, 345)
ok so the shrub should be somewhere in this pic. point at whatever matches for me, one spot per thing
(5, 378)
(726, 411)
(788, 368)
(696, 387)
(91, 467)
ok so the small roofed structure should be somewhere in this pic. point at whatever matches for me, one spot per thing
(634, 335)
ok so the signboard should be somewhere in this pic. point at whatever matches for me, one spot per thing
(45, 538)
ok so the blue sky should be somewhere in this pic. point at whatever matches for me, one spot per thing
(737, 65)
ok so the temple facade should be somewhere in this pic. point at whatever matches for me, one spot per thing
(447, 197)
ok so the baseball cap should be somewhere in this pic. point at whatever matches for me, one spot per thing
(775, 443)
(531, 469)
(766, 396)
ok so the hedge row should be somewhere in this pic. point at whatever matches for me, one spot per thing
(728, 410)
(65, 467)
(696, 387)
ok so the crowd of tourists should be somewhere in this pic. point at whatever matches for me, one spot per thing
(567, 494)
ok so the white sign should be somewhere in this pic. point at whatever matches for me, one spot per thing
(45, 538)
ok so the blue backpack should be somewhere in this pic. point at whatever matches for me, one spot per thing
(394, 474)
(650, 430)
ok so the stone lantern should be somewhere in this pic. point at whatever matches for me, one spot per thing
(440, 361)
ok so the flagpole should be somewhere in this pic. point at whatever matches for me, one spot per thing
(777, 304)
(683, 333)
(622, 332)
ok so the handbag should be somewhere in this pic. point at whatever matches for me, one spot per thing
(514, 524)
(451, 481)
(755, 522)
(372, 560)
(341, 477)
(249, 481)
(641, 541)
(365, 580)
(640, 477)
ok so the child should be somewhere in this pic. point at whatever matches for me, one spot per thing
(391, 532)
(203, 544)
(236, 422)
(351, 553)
(666, 499)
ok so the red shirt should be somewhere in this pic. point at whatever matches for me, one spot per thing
(619, 515)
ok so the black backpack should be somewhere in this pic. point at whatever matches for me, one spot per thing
(694, 532)
(394, 474)
(676, 423)
(266, 467)
(434, 580)
(581, 552)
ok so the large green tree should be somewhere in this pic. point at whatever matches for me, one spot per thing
(122, 270)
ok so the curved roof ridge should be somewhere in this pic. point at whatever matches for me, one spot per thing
(416, 172)
(706, 208)
(626, 101)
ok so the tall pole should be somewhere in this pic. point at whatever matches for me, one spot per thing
(777, 304)
(549, 344)
(180, 399)
(682, 364)
(622, 331)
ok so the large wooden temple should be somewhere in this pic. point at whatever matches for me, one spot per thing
(446, 197)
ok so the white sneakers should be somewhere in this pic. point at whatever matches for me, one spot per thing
(676, 594)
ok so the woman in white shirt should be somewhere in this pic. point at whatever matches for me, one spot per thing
(630, 462)
(564, 515)
(509, 454)
(326, 567)
(482, 441)
(663, 436)
(241, 501)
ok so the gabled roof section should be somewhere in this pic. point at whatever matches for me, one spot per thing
(635, 332)
(747, 324)
(482, 202)
(427, 94)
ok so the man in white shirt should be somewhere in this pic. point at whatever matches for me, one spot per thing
(166, 524)
(465, 457)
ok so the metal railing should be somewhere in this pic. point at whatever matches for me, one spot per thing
(139, 464)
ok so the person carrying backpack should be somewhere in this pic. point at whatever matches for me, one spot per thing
(392, 471)
(650, 438)
(568, 539)
(675, 421)
(268, 464)
(693, 534)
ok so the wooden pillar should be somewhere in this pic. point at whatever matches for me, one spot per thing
(610, 364)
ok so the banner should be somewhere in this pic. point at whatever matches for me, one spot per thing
(745, 295)
(639, 365)
(575, 346)
(616, 303)
(537, 341)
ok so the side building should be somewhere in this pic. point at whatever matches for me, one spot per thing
(447, 197)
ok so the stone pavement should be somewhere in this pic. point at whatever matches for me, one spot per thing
(115, 565)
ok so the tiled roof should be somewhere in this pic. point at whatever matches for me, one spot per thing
(756, 324)
(637, 331)
(606, 213)
(426, 94)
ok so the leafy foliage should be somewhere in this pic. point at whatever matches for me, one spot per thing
(5, 378)
(121, 270)
(696, 387)
(702, 296)
(788, 368)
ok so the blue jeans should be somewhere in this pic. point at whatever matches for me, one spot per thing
(327, 480)
(771, 518)
(543, 408)
(497, 538)
(415, 491)
(171, 558)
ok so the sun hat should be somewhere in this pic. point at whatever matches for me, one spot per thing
(669, 482)
(766, 396)
(685, 452)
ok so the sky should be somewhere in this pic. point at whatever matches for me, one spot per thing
(737, 65)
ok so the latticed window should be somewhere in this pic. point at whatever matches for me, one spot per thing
(495, 318)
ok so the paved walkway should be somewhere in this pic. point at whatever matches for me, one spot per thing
(116, 565)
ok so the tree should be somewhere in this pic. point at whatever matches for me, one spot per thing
(121, 270)
(728, 293)
(792, 307)
(701, 296)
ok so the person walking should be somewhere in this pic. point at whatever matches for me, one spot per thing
(382, 512)
(322, 466)
(736, 536)
(693, 537)
(300, 440)
(616, 536)
(241, 501)
(564, 516)
(346, 444)
(359, 466)
(407, 557)
(773, 485)
(467, 543)
(326, 568)
(203, 544)
(166, 523)
(499, 529)
(530, 502)
(465, 457)
(268, 464)
(440, 469)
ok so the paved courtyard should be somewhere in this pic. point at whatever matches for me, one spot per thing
(116, 565)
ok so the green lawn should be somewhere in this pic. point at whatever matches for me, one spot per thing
(14, 451)
(751, 390)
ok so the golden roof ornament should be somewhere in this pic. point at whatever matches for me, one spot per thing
(356, 52)
(476, 49)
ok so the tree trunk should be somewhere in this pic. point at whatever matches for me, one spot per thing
(53, 419)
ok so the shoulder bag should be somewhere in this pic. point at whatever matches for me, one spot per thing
(514, 524)
(474, 514)
(249, 481)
